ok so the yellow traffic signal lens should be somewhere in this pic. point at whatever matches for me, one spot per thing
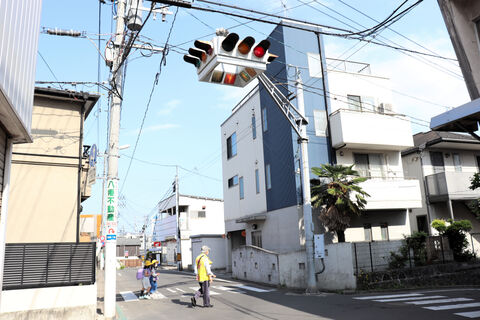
(246, 44)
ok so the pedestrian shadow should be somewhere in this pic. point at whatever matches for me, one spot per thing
(182, 303)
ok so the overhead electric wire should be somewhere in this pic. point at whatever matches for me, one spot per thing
(155, 82)
(48, 66)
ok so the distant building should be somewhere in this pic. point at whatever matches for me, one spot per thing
(198, 216)
(445, 163)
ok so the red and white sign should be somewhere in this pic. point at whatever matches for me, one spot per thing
(157, 244)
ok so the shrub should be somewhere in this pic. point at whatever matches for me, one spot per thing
(457, 239)
(415, 242)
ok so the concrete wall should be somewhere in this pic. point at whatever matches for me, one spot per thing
(293, 267)
(339, 268)
(256, 264)
(75, 302)
(44, 193)
(216, 243)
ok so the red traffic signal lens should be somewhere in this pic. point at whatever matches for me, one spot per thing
(230, 78)
(246, 44)
(193, 60)
(261, 48)
(229, 43)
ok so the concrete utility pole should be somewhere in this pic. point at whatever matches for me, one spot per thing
(307, 205)
(179, 238)
(112, 175)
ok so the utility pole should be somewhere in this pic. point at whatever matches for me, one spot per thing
(179, 238)
(307, 205)
(112, 176)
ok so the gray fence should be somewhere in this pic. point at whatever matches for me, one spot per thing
(34, 265)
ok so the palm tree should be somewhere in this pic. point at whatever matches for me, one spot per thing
(333, 193)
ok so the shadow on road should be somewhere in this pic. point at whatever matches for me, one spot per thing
(182, 303)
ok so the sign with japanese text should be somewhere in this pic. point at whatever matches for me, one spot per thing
(111, 223)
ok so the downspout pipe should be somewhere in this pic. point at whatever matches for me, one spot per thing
(79, 180)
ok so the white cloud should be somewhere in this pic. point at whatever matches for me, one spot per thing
(169, 107)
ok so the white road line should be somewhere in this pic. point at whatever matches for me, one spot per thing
(212, 293)
(228, 289)
(217, 279)
(390, 296)
(128, 296)
(471, 315)
(454, 306)
(440, 301)
(157, 295)
(179, 289)
(173, 291)
(409, 299)
(253, 288)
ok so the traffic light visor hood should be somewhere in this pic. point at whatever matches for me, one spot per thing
(229, 43)
(204, 45)
(261, 48)
(192, 59)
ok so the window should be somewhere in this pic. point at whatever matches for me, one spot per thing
(354, 102)
(320, 120)
(264, 119)
(254, 127)
(257, 181)
(370, 165)
(367, 230)
(437, 162)
(314, 66)
(384, 230)
(268, 180)
(233, 181)
(257, 238)
(202, 214)
(457, 162)
(242, 192)
(232, 145)
(422, 224)
(368, 103)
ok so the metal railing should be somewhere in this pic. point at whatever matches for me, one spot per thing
(36, 265)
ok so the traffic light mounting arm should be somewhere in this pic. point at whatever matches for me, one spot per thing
(292, 114)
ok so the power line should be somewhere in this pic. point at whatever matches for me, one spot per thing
(48, 66)
(155, 82)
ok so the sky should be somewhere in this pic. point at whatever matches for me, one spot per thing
(182, 122)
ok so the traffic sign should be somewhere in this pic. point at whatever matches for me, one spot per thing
(92, 157)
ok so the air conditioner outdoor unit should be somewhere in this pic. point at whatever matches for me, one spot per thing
(384, 108)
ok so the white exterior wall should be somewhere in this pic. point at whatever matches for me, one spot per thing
(19, 30)
(249, 157)
(342, 84)
(217, 250)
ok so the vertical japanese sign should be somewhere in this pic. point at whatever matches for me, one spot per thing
(111, 223)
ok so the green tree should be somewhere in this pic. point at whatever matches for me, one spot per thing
(333, 192)
(474, 205)
(455, 231)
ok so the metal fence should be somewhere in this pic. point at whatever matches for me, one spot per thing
(376, 256)
(34, 265)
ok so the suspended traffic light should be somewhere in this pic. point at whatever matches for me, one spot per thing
(246, 44)
(230, 78)
(200, 54)
(229, 43)
(204, 45)
(193, 60)
(261, 48)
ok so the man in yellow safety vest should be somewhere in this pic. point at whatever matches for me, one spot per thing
(204, 277)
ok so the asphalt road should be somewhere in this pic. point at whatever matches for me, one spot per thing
(239, 300)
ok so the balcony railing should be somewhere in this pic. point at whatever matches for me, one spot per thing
(443, 186)
(392, 193)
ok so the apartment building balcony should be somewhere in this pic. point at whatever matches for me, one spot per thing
(369, 130)
(392, 193)
(445, 186)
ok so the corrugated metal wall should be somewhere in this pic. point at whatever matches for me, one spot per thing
(19, 29)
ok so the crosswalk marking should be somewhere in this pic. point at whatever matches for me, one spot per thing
(473, 314)
(409, 299)
(212, 293)
(157, 295)
(172, 291)
(253, 288)
(179, 289)
(390, 296)
(128, 296)
(454, 306)
(439, 301)
(228, 289)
